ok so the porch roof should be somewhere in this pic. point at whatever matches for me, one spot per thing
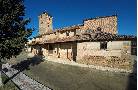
(98, 36)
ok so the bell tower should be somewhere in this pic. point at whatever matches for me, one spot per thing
(45, 23)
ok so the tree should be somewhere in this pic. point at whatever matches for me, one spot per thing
(13, 31)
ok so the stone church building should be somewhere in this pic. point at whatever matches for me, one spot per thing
(94, 42)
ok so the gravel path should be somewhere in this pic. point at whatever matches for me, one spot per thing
(23, 81)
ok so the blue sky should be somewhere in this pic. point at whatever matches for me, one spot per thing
(71, 12)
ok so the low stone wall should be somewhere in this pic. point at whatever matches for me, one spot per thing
(112, 61)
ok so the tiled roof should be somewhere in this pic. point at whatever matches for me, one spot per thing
(61, 30)
(59, 40)
(97, 36)
(91, 36)
(105, 37)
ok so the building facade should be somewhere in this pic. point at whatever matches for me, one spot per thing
(95, 42)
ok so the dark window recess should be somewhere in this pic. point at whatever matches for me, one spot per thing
(103, 45)
(55, 33)
(134, 48)
(98, 29)
(50, 47)
(133, 51)
(67, 33)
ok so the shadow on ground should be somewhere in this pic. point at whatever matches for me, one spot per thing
(132, 78)
(65, 76)
(24, 65)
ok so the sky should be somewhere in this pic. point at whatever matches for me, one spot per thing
(73, 12)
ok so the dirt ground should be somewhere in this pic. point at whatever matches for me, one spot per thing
(67, 77)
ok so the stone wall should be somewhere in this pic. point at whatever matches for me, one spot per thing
(45, 23)
(66, 34)
(66, 51)
(72, 33)
(62, 35)
(93, 48)
(117, 54)
(45, 49)
(107, 24)
(115, 45)
(38, 40)
(51, 36)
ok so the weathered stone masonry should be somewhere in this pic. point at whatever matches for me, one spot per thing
(95, 42)
(117, 54)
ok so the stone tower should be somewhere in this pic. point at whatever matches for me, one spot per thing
(45, 23)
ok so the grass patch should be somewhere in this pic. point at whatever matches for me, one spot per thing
(9, 85)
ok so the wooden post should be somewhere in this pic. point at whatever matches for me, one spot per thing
(57, 49)
(67, 54)
(71, 53)
(48, 49)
